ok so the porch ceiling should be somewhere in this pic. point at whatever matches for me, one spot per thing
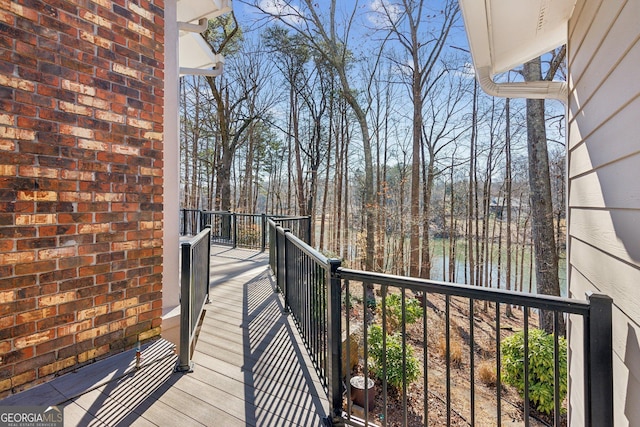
(194, 51)
(192, 10)
(506, 33)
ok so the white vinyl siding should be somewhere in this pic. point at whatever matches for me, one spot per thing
(604, 184)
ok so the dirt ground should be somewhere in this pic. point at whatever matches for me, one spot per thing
(434, 403)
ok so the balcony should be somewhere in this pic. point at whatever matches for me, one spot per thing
(249, 367)
(283, 334)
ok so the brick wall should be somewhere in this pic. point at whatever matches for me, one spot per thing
(81, 163)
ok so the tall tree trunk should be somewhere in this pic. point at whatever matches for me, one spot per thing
(508, 195)
(414, 240)
(339, 180)
(400, 256)
(541, 203)
(453, 229)
(472, 174)
(325, 194)
(300, 178)
(185, 148)
(344, 244)
(427, 188)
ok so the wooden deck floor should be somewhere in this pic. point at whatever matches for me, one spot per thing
(250, 367)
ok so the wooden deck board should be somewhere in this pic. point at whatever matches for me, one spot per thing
(250, 367)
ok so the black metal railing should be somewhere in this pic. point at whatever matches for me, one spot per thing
(311, 293)
(223, 226)
(240, 230)
(437, 343)
(190, 222)
(299, 226)
(194, 291)
(439, 339)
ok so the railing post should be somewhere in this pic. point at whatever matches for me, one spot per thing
(309, 241)
(600, 356)
(184, 362)
(234, 224)
(334, 338)
(209, 238)
(284, 268)
(276, 260)
(264, 232)
(184, 222)
(194, 291)
(203, 220)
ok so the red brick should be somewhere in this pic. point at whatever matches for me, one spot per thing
(92, 270)
(34, 363)
(18, 355)
(8, 282)
(33, 339)
(83, 117)
(53, 321)
(36, 315)
(76, 305)
(17, 307)
(150, 315)
(58, 275)
(30, 290)
(56, 366)
(69, 285)
(74, 262)
(6, 322)
(7, 246)
(48, 289)
(35, 267)
(36, 243)
(93, 291)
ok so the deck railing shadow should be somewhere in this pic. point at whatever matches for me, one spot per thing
(271, 351)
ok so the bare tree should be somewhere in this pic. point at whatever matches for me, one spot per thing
(440, 130)
(238, 97)
(321, 34)
(404, 20)
(540, 192)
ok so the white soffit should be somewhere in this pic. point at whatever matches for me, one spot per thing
(192, 10)
(194, 51)
(506, 33)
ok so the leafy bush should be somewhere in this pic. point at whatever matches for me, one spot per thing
(393, 360)
(393, 305)
(541, 366)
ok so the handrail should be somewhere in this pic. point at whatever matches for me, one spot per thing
(503, 296)
(243, 230)
(194, 292)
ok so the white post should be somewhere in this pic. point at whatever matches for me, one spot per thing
(171, 199)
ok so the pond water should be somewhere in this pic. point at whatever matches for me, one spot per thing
(440, 268)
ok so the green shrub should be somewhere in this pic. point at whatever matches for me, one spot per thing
(393, 305)
(394, 358)
(541, 366)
